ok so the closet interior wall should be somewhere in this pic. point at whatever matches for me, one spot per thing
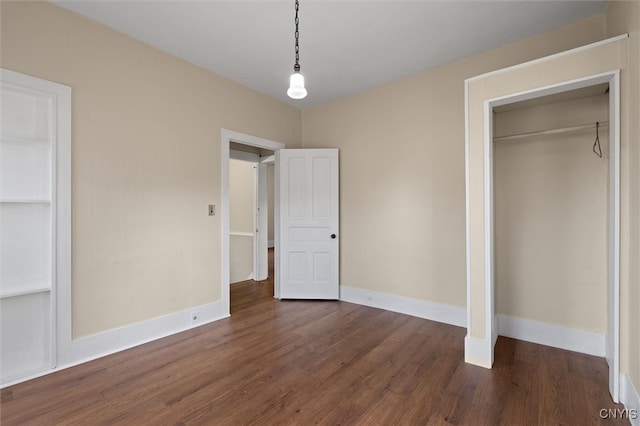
(242, 180)
(550, 212)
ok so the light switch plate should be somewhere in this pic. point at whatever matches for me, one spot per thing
(212, 209)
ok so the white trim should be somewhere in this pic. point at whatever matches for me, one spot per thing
(478, 351)
(630, 398)
(550, 57)
(552, 335)
(118, 339)
(246, 139)
(109, 342)
(467, 195)
(508, 326)
(271, 244)
(63, 218)
(613, 347)
(448, 314)
(552, 89)
(226, 137)
(489, 326)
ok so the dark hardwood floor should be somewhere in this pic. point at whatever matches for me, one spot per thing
(334, 363)
(249, 293)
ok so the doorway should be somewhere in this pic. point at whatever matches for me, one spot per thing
(251, 221)
(481, 276)
(235, 141)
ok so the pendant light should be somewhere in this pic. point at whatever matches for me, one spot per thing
(296, 82)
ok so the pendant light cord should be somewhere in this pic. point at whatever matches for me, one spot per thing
(296, 67)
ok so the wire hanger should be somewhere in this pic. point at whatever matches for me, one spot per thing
(596, 145)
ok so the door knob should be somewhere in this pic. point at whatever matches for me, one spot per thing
(333, 236)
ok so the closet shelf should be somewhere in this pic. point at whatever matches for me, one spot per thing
(24, 201)
(15, 139)
(550, 131)
(29, 289)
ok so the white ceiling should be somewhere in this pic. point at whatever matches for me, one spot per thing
(345, 46)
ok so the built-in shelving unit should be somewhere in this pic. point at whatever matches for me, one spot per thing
(27, 219)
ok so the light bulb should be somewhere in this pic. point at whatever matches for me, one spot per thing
(296, 86)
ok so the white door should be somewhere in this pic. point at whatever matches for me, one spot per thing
(34, 222)
(307, 189)
(262, 225)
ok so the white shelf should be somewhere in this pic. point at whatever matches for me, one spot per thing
(23, 201)
(36, 288)
(14, 139)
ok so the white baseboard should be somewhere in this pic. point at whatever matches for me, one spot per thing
(250, 277)
(118, 339)
(552, 335)
(102, 344)
(271, 244)
(448, 314)
(630, 398)
(479, 351)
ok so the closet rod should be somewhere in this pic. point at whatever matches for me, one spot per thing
(551, 131)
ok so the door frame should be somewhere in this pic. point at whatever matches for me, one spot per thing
(226, 137)
(612, 345)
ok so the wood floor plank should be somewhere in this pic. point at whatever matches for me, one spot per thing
(304, 362)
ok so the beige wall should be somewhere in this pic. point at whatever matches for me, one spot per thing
(145, 162)
(550, 200)
(241, 219)
(624, 17)
(242, 178)
(240, 258)
(402, 184)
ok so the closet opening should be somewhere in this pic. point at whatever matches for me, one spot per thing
(553, 205)
(550, 182)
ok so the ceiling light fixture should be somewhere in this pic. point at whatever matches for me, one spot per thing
(296, 82)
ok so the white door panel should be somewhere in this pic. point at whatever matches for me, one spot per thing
(308, 223)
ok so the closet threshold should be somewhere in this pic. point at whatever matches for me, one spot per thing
(550, 131)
